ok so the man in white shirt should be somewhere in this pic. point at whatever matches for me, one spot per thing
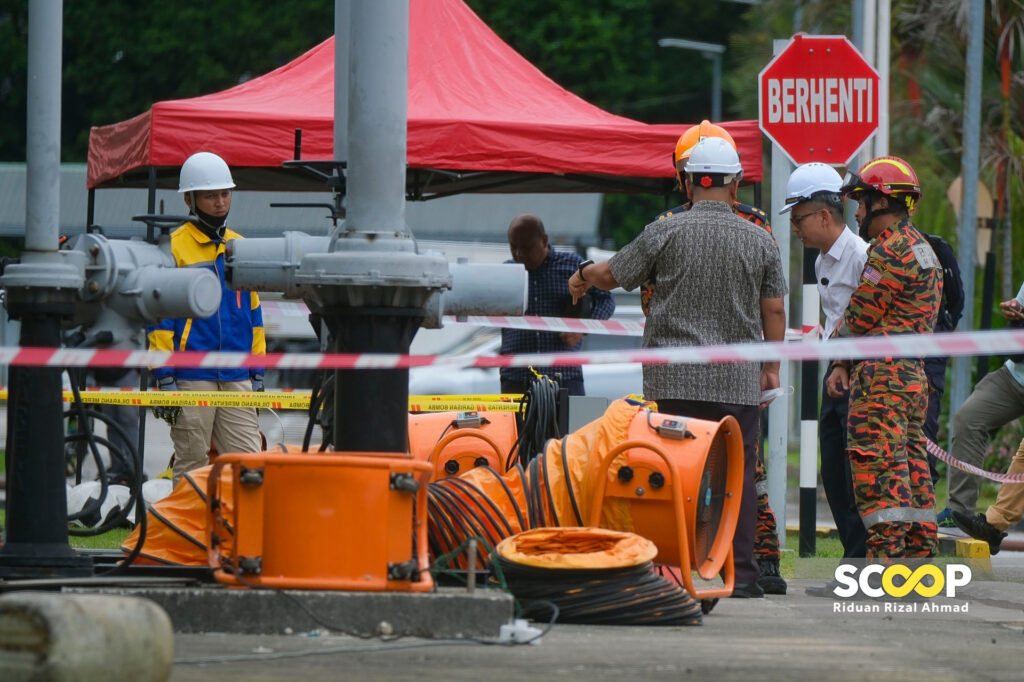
(815, 204)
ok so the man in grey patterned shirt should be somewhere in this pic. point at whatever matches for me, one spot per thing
(719, 280)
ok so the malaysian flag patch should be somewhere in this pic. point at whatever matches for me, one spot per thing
(872, 275)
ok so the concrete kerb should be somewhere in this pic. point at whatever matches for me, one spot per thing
(448, 613)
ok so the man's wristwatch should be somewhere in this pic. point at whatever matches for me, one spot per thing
(582, 265)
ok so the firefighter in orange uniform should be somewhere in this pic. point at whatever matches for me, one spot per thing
(899, 293)
(766, 537)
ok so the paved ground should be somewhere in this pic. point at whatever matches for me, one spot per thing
(792, 637)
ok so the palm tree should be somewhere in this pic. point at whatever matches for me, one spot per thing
(931, 37)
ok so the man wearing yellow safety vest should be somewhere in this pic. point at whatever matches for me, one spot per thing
(206, 184)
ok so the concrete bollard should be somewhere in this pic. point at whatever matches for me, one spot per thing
(83, 637)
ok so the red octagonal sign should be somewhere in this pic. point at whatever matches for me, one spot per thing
(818, 100)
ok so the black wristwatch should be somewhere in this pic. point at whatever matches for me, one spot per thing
(582, 265)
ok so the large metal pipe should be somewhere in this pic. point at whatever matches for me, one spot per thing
(378, 59)
(479, 289)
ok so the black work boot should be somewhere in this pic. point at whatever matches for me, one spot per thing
(979, 528)
(770, 581)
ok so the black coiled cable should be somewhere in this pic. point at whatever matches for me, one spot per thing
(320, 411)
(85, 415)
(635, 595)
(539, 421)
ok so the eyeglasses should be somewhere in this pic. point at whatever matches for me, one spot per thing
(795, 219)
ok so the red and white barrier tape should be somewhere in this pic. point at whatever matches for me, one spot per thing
(581, 325)
(996, 342)
(970, 468)
(530, 322)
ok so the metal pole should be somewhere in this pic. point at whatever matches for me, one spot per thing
(342, 18)
(809, 416)
(377, 115)
(710, 51)
(42, 126)
(969, 208)
(40, 290)
(882, 65)
(857, 12)
(374, 418)
(778, 411)
(868, 50)
(716, 86)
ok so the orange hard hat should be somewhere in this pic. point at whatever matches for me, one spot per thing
(689, 139)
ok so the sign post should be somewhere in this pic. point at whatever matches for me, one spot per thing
(818, 100)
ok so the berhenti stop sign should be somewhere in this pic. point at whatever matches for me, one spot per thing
(818, 99)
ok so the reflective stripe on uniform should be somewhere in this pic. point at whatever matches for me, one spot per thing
(899, 514)
(761, 487)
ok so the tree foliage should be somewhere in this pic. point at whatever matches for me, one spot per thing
(120, 56)
(606, 51)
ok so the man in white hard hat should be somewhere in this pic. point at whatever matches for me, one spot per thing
(814, 202)
(205, 183)
(719, 280)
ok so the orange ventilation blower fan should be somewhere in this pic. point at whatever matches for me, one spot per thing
(677, 482)
(456, 442)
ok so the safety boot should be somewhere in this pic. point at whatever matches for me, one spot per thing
(979, 528)
(771, 581)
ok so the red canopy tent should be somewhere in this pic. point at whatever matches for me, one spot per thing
(480, 118)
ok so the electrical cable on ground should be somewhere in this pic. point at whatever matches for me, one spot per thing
(282, 655)
(634, 595)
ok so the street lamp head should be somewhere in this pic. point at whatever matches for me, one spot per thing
(709, 50)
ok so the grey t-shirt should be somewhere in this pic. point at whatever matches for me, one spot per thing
(710, 269)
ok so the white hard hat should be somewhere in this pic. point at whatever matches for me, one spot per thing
(714, 155)
(204, 170)
(808, 180)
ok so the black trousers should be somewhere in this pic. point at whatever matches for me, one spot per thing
(836, 478)
(935, 369)
(748, 416)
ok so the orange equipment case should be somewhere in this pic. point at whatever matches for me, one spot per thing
(331, 521)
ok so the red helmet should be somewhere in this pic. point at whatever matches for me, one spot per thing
(889, 175)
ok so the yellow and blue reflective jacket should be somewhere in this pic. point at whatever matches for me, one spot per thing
(236, 326)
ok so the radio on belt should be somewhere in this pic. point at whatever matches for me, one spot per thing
(674, 428)
(465, 420)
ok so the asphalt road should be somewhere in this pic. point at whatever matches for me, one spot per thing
(792, 637)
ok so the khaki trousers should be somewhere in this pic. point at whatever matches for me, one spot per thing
(230, 429)
(997, 400)
(1009, 505)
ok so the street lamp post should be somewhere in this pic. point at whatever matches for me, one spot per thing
(710, 51)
